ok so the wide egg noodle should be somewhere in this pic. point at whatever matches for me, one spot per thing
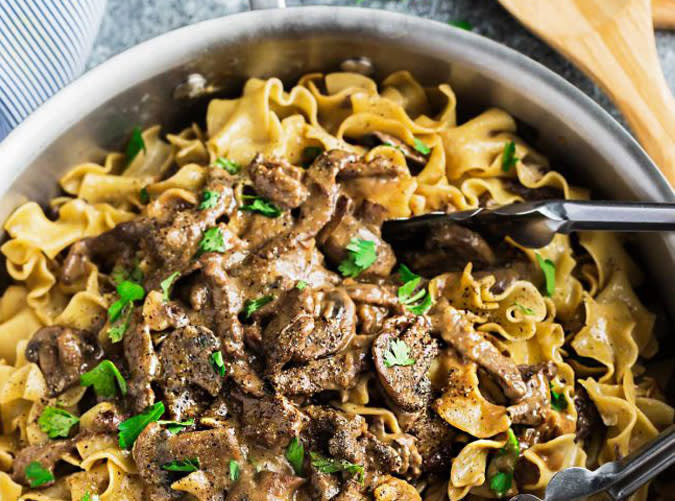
(463, 170)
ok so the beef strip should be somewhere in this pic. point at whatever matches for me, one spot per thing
(309, 324)
(588, 417)
(47, 455)
(265, 486)
(433, 439)
(532, 194)
(411, 155)
(343, 228)
(533, 408)
(338, 372)
(143, 364)
(459, 332)
(278, 181)
(337, 433)
(63, 353)
(213, 448)
(187, 371)
(406, 385)
(270, 421)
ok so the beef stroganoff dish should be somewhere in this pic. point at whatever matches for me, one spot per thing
(214, 315)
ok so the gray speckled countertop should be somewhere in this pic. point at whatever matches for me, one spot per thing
(129, 22)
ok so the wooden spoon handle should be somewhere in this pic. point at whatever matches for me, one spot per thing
(663, 14)
(617, 49)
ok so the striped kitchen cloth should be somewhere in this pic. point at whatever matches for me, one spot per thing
(44, 44)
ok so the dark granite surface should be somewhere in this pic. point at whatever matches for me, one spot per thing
(128, 22)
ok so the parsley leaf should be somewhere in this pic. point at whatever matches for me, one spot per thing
(89, 497)
(37, 475)
(253, 305)
(166, 285)
(128, 292)
(186, 465)
(57, 422)
(398, 353)
(212, 241)
(512, 446)
(558, 400)
(329, 465)
(234, 470)
(421, 147)
(106, 379)
(301, 285)
(465, 25)
(119, 275)
(361, 255)
(132, 427)
(524, 309)
(218, 363)
(230, 166)
(548, 267)
(406, 296)
(295, 453)
(501, 482)
(119, 328)
(209, 200)
(144, 195)
(509, 158)
(310, 154)
(261, 206)
(176, 426)
(135, 144)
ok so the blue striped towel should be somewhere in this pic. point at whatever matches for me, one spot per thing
(44, 44)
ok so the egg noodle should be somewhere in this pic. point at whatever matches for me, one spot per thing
(592, 327)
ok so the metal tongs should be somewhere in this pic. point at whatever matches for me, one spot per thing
(534, 224)
(619, 479)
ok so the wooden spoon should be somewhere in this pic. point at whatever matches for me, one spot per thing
(663, 14)
(613, 42)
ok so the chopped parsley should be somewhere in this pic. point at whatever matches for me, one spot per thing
(234, 470)
(329, 465)
(416, 302)
(106, 380)
(361, 255)
(88, 497)
(295, 454)
(512, 446)
(176, 426)
(37, 475)
(167, 284)
(132, 427)
(253, 305)
(261, 206)
(218, 363)
(558, 400)
(524, 309)
(212, 241)
(398, 353)
(509, 158)
(501, 482)
(184, 465)
(120, 311)
(209, 200)
(119, 328)
(465, 25)
(301, 285)
(230, 166)
(548, 267)
(135, 144)
(421, 147)
(310, 154)
(144, 195)
(57, 422)
(119, 275)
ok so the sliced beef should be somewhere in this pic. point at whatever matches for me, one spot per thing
(265, 486)
(308, 325)
(406, 384)
(213, 448)
(588, 418)
(434, 439)
(343, 228)
(63, 353)
(377, 167)
(338, 434)
(278, 181)
(533, 408)
(269, 421)
(322, 486)
(338, 372)
(143, 365)
(459, 332)
(374, 294)
(188, 376)
(47, 455)
(412, 155)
